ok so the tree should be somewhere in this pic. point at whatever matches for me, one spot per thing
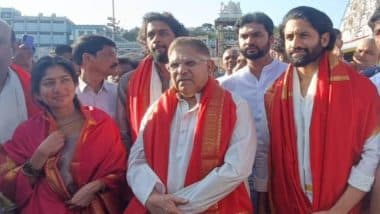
(203, 30)
(131, 35)
(207, 27)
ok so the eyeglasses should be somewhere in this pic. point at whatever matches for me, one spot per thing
(188, 63)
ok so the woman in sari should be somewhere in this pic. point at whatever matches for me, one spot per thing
(69, 158)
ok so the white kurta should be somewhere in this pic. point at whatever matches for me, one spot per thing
(361, 176)
(155, 85)
(218, 183)
(13, 109)
(376, 80)
(247, 86)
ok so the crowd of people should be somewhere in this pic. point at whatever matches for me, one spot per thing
(285, 125)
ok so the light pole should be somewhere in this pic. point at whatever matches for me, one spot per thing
(113, 20)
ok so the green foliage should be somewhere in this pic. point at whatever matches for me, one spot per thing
(131, 35)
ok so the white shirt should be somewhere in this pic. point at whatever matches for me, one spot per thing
(155, 85)
(223, 77)
(361, 176)
(218, 183)
(247, 86)
(105, 99)
(13, 109)
(376, 80)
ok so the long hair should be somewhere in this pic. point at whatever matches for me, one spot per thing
(177, 27)
(317, 19)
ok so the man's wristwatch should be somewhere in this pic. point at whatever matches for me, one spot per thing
(29, 171)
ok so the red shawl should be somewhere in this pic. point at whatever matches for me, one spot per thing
(138, 95)
(24, 77)
(345, 114)
(216, 121)
(99, 154)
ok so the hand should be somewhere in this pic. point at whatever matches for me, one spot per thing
(52, 144)
(83, 197)
(164, 203)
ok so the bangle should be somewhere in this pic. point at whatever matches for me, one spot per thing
(29, 171)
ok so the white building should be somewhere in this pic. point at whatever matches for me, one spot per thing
(80, 30)
(354, 24)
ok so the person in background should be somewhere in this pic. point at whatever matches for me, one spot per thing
(241, 61)
(229, 60)
(65, 51)
(125, 65)
(23, 53)
(338, 44)
(96, 56)
(366, 57)
(277, 50)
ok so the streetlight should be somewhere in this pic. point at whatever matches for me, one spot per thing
(112, 21)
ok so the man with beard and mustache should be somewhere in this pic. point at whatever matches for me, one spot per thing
(255, 34)
(96, 56)
(138, 89)
(324, 123)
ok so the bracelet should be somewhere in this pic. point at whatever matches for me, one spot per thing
(29, 171)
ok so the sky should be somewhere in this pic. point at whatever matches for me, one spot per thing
(191, 13)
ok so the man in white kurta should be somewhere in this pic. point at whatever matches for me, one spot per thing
(323, 119)
(12, 104)
(190, 70)
(251, 83)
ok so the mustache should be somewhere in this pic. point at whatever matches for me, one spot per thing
(252, 46)
(298, 49)
(159, 46)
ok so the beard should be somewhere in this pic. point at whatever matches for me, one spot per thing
(310, 55)
(255, 55)
(160, 57)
